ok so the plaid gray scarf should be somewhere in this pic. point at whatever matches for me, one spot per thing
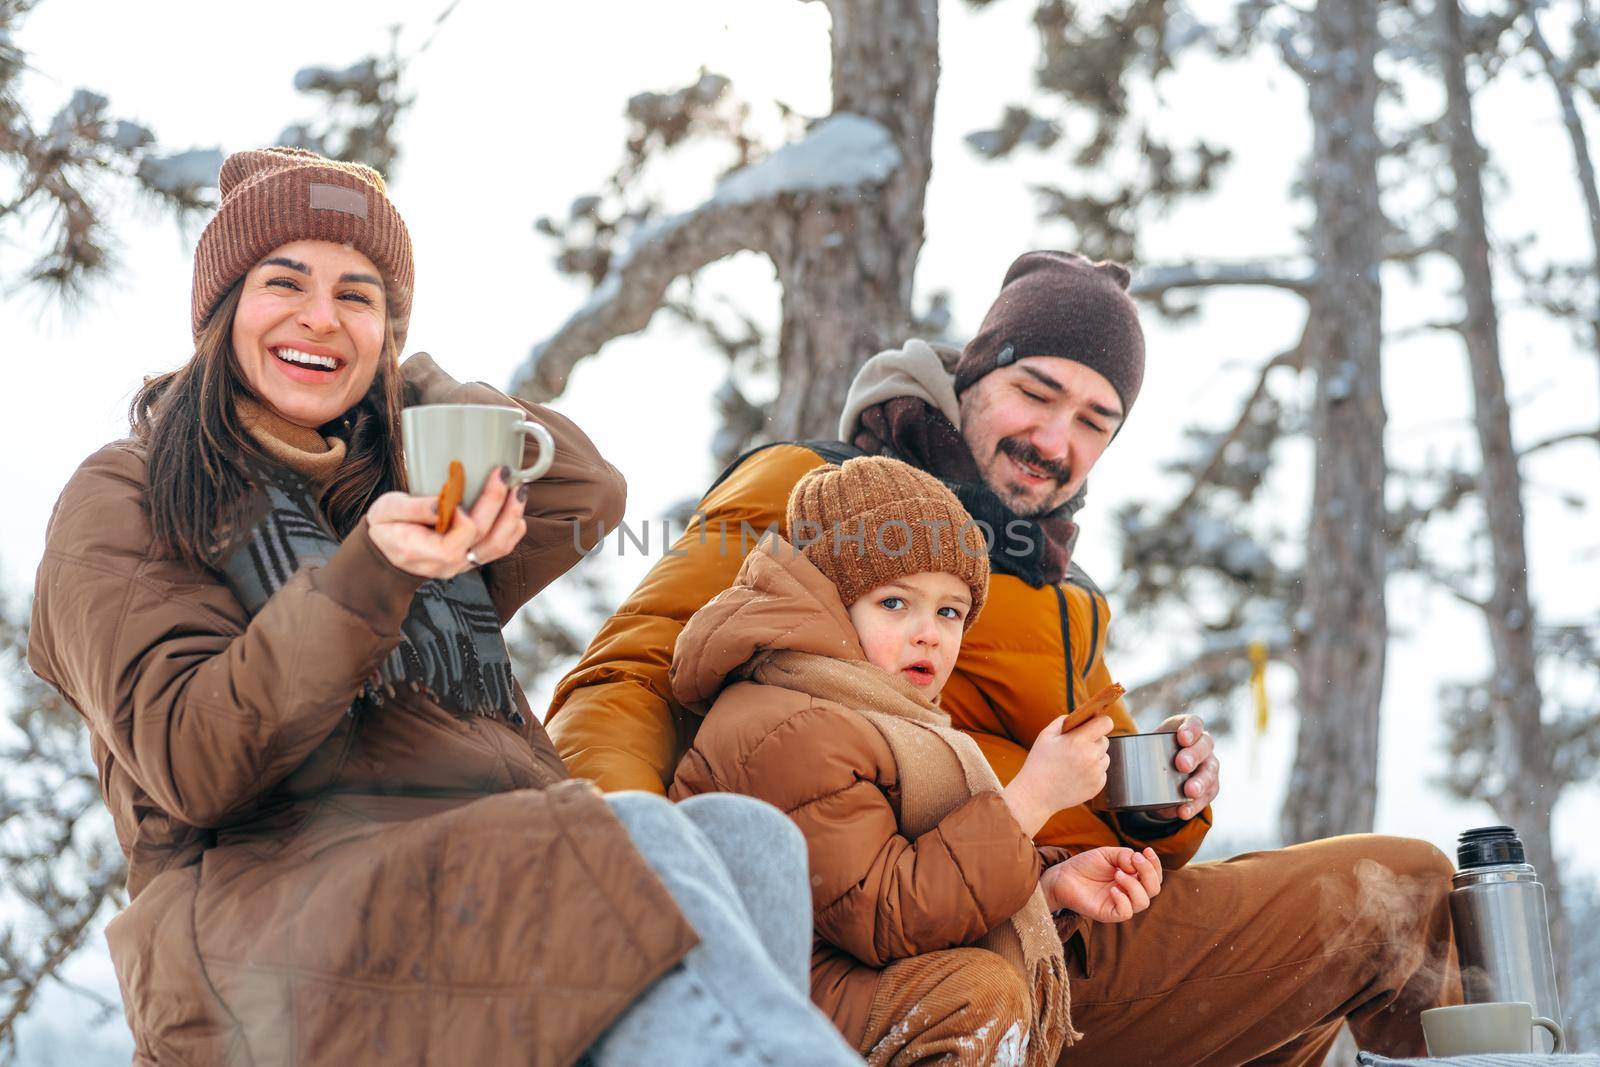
(453, 650)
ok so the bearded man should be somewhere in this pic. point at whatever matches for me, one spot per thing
(1258, 959)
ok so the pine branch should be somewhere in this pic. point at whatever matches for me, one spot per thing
(58, 947)
(58, 859)
(1294, 357)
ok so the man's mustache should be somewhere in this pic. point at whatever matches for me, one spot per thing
(1023, 452)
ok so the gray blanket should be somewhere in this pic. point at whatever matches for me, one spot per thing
(1501, 1059)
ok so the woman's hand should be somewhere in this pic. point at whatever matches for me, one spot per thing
(1062, 770)
(402, 527)
(1107, 885)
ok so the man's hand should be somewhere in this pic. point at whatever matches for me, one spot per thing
(1106, 885)
(1196, 759)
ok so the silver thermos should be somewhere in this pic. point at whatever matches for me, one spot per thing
(1501, 923)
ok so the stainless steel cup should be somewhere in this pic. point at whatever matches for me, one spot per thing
(1141, 776)
(481, 436)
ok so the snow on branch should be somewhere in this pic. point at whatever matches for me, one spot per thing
(1297, 275)
(842, 152)
(181, 174)
(357, 78)
(837, 159)
(634, 289)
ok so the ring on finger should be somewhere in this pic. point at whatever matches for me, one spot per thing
(472, 558)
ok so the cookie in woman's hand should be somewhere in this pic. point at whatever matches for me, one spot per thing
(450, 496)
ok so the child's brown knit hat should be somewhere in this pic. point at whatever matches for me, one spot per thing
(876, 519)
(272, 196)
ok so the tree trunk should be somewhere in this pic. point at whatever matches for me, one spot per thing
(847, 270)
(1344, 632)
(1526, 799)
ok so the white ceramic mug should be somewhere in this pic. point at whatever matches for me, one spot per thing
(482, 437)
(1470, 1029)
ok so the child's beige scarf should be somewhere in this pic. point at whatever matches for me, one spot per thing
(940, 768)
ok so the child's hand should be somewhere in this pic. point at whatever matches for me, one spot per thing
(1062, 770)
(1107, 885)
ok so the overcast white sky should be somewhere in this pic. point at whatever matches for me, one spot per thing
(519, 110)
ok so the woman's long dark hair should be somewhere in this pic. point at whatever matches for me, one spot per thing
(197, 446)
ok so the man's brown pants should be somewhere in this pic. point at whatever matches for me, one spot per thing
(1260, 958)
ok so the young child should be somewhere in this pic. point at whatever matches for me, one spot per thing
(821, 669)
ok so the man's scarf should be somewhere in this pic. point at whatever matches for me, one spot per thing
(1038, 549)
(452, 648)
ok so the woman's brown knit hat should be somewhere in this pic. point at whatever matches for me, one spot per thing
(272, 196)
(876, 519)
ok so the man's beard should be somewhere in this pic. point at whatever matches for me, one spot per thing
(1023, 452)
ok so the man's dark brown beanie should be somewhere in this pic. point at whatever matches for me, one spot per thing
(1061, 304)
(876, 519)
(272, 196)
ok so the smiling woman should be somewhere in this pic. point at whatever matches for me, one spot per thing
(307, 254)
(309, 330)
(303, 712)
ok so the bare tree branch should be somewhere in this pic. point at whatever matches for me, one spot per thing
(1166, 688)
(1561, 439)
(1297, 275)
(1418, 329)
(1449, 583)
(1401, 251)
(1580, 142)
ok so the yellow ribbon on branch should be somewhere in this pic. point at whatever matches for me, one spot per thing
(1258, 684)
